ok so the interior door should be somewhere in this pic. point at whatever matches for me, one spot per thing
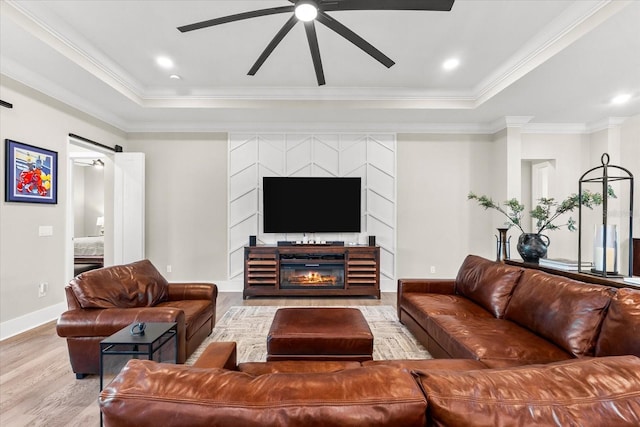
(128, 208)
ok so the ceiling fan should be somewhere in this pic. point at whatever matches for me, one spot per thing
(310, 11)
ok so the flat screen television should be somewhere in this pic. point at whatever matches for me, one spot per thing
(311, 205)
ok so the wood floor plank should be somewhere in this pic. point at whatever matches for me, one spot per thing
(38, 388)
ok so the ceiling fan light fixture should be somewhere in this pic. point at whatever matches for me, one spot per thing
(98, 163)
(306, 10)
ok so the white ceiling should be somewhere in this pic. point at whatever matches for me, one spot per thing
(549, 63)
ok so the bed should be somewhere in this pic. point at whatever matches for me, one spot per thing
(88, 250)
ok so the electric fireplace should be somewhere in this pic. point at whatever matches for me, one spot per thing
(312, 275)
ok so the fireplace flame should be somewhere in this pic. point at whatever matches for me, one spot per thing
(313, 278)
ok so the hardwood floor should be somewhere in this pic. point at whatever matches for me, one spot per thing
(38, 388)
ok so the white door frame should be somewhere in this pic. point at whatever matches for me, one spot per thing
(123, 207)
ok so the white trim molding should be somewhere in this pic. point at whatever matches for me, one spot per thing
(31, 320)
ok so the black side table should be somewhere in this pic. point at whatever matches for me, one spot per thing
(155, 344)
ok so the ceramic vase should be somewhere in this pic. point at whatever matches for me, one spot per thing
(532, 246)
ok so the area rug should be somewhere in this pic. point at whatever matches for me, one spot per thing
(248, 327)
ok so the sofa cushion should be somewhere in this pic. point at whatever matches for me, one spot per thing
(585, 392)
(145, 392)
(488, 283)
(437, 304)
(196, 313)
(494, 339)
(564, 311)
(138, 284)
(621, 322)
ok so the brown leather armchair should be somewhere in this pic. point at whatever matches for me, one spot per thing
(103, 301)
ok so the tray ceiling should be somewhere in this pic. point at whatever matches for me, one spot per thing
(546, 62)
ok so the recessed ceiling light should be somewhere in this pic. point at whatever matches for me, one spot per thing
(164, 62)
(306, 10)
(451, 64)
(175, 77)
(621, 99)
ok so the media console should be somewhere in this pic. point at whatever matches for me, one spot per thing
(311, 270)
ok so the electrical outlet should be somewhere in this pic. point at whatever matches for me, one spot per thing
(432, 270)
(42, 289)
(168, 268)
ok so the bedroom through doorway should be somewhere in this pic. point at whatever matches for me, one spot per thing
(88, 193)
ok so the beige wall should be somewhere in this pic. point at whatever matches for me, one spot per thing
(25, 258)
(186, 204)
(437, 226)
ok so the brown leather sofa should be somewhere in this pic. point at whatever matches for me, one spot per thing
(505, 315)
(101, 302)
(438, 392)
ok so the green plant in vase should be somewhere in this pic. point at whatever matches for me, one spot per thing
(547, 213)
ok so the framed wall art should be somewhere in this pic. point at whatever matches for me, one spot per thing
(31, 173)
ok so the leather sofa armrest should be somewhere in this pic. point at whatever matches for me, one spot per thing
(424, 286)
(187, 291)
(104, 322)
(427, 286)
(218, 355)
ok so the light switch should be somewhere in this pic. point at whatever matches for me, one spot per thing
(45, 230)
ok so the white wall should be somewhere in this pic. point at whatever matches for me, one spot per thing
(88, 199)
(26, 259)
(93, 199)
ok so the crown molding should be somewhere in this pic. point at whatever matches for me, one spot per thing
(28, 78)
(508, 122)
(97, 65)
(555, 128)
(563, 31)
(607, 123)
(35, 81)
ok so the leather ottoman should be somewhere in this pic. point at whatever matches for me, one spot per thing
(313, 333)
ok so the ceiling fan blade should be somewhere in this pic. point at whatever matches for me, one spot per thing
(272, 44)
(312, 37)
(337, 5)
(236, 17)
(354, 38)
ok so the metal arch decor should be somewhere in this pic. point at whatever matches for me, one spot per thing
(31, 173)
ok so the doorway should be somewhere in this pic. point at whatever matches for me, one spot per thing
(87, 207)
(118, 222)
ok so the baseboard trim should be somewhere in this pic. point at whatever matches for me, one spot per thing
(31, 320)
(229, 285)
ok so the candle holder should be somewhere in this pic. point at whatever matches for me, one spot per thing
(605, 250)
(605, 246)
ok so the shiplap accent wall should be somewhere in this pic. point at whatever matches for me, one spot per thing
(372, 157)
